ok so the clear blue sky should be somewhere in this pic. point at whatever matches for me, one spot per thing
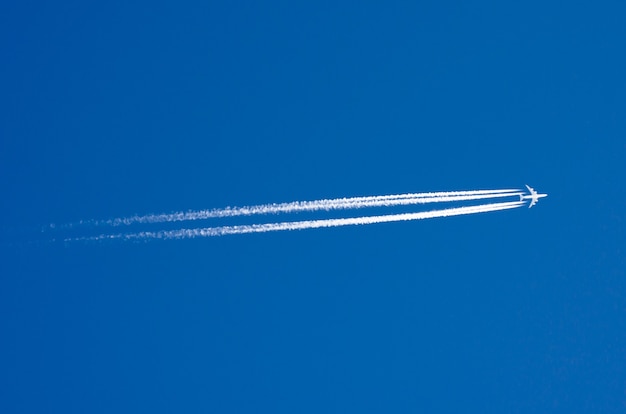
(112, 109)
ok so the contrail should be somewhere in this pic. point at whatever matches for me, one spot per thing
(301, 225)
(301, 206)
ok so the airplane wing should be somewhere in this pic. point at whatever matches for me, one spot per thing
(530, 189)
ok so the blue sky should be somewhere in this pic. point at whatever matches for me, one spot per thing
(140, 107)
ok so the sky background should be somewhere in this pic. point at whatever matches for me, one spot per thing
(107, 110)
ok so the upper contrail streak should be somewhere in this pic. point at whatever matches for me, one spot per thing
(300, 225)
(316, 205)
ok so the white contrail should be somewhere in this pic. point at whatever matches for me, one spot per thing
(301, 225)
(316, 205)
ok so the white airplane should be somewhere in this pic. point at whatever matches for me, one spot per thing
(533, 196)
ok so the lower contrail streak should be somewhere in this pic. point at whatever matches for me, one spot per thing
(301, 225)
(316, 205)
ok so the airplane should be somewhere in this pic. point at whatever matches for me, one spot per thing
(533, 196)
